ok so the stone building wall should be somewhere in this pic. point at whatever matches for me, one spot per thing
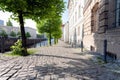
(89, 36)
(107, 28)
(113, 30)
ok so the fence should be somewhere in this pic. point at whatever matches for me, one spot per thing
(6, 43)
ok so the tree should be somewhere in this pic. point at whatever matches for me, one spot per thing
(32, 9)
(57, 34)
(13, 34)
(28, 35)
(3, 33)
(19, 34)
(9, 23)
(49, 26)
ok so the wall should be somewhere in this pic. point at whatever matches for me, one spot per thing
(31, 31)
(107, 28)
(8, 30)
(1, 22)
(94, 40)
(66, 32)
(75, 8)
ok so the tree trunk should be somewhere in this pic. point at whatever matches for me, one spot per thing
(21, 21)
(55, 41)
(50, 39)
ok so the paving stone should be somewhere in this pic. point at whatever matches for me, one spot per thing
(58, 62)
(3, 78)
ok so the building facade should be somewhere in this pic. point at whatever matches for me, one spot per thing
(66, 32)
(102, 23)
(1, 22)
(75, 19)
(62, 28)
(32, 32)
(9, 29)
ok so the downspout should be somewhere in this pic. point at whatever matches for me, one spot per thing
(115, 13)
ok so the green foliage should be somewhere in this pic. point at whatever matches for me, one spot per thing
(30, 52)
(9, 23)
(28, 35)
(100, 61)
(57, 34)
(19, 34)
(17, 48)
(50, 26)
(3, 33)
(32, 9)
(13, 34)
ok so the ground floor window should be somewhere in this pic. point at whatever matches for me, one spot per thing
(118, 13)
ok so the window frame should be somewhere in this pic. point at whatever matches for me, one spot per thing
(117, 13)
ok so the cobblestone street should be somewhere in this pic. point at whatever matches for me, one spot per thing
(59, 62)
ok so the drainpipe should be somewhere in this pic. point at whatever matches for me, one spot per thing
(82, 39)
(115, 13)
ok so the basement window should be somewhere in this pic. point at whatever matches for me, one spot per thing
(118, 13)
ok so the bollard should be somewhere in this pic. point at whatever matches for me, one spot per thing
(105, 51)
(40, 44)
(81, 46)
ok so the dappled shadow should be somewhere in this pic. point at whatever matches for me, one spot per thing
(55, 72)
(73, 69)
(64, 46)
(58, 57)
(77, 69)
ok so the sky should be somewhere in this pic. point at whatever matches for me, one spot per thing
(29, 23)
(6, 15)
(65, 14)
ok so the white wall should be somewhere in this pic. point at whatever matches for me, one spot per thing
(8, 30)
(75, 8)
(66, 32)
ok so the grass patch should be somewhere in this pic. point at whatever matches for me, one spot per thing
(100, 60)
(30, 52)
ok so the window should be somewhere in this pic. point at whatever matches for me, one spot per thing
(75, 16)
(78, 31)
(95, 18)
(85, 1)
(79, 14)
(118, 13)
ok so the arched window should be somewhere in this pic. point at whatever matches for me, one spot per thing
(95, 18)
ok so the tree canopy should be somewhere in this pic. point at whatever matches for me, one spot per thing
(13, 34)
(50, 26)
(3, 33)
(28, 35)
(33, 9)
(9, 23)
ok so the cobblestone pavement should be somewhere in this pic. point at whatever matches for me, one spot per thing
(59, 62)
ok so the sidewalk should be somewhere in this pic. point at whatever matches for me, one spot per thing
(58, 62)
